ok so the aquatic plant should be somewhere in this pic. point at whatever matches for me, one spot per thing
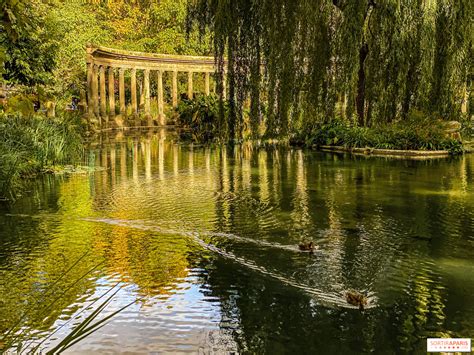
(18, 338)
(30, 144)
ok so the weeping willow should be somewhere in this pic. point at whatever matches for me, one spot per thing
(295, 63)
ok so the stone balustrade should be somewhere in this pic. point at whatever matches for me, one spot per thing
(103, 64)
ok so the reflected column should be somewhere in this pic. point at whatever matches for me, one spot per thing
(206, 86)
(135, 161)
(147, 145)
(161, 155)
(113, 159)
(123, 161)
(175, 159)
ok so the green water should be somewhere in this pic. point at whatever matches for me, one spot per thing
(205, 239)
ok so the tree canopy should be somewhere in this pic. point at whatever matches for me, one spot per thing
(367, 61)
(28, 42)
(43, 42)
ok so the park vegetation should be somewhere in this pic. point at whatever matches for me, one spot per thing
(379, 73)
(42, 63)
(366, 63)
(33, 144)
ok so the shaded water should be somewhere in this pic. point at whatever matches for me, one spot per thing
(205, 239)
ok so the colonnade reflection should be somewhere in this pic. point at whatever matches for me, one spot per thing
(379, 230)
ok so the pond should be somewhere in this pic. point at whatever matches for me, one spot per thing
(205, 240)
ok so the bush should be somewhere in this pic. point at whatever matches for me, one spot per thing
(200, 118)
(21, 103)
(30, 144)
(407, 135)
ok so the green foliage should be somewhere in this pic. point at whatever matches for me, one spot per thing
(149, 26)
(453, 56)
(44, 41)
(13, 338)
(408, 135)
(21, 103)
(90, 324)
(78, 25)
(31, 143)
(200, 118)
(29, 44)
(376, 59)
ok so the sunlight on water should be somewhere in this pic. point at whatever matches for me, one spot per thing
(205, 240)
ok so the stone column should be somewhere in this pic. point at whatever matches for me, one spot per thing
(190, 85)
(103, 95)
(95, 90)
(111, 92)
(174, 92)
(207, 89)
(161, 116)
(90, 102)
(122, 90)
(133, 86)
(146, 89)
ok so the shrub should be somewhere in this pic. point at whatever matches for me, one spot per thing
(200, 118)
(21, 103)
(407, 135)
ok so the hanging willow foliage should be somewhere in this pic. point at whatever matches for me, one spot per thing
(367, 61)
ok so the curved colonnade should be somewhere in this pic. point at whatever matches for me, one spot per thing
(103, 64)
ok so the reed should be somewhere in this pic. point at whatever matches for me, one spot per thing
(30, 144)
(18, 337)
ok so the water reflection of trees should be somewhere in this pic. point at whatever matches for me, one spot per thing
(381, 226)
(367, 212)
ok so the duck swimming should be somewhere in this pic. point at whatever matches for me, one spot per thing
(306, 246)
(356, 299)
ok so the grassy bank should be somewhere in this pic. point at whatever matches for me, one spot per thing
(31, 145)
(407, 135)
(201, 121)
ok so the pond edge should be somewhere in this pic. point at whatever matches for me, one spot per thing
(393, 153)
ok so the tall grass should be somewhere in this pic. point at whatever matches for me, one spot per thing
(29, 144)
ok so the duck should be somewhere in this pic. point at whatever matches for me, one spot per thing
(356, 299)
(306, 246)
(368, 151)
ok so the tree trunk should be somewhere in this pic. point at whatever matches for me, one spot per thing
(408, 92)
(360, 100)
